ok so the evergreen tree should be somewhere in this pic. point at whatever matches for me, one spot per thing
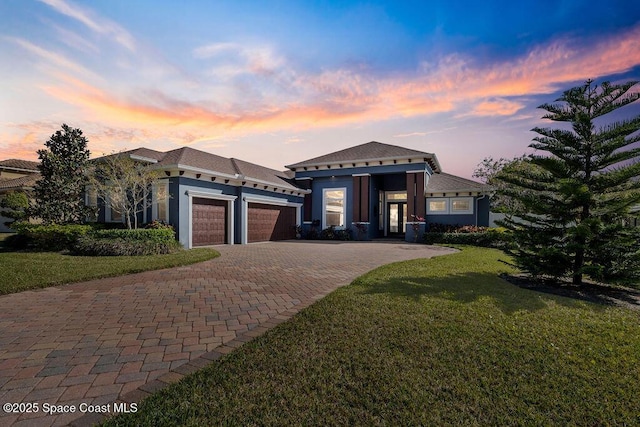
(59, 193)
(576, 195)
(14, 206)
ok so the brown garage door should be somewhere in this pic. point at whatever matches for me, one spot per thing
(268, 222)
(209, 225)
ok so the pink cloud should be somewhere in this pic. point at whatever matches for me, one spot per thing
(282, 97)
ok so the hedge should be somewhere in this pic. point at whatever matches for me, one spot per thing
(101, 246)
(93, 241)
(148, 234)
(42, 237)
(490, 238)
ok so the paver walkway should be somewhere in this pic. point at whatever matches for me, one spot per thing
(118, 339)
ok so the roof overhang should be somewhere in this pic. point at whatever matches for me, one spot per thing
(428, 158)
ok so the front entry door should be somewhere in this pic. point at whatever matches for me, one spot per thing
(395, 218)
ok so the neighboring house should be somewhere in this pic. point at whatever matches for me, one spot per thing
(16, 175)
(387, 190)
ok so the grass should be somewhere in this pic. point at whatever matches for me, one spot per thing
(424, 342)
(20, 271)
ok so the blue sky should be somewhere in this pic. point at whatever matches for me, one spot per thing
(277, 82)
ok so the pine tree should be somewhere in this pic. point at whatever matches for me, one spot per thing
(576, 195)
(59, 193)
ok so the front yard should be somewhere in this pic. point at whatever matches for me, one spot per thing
(425, 342)
(20, 271)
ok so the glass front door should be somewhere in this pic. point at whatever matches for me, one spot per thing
(395, 218)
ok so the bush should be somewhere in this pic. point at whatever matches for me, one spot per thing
(124, 242)
(330, 233)
(455, 228)
(41, 237)
(97, 246)
(491, 238)
(165, 234)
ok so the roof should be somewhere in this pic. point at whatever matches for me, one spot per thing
(190, 158)
(447, 183)
(369, 151)
(260, 173)
(197, 159)
(23, 165)
(146, 153)
(26, 181)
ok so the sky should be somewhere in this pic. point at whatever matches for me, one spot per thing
(279, 82)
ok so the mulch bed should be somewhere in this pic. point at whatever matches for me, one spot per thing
(593, 292)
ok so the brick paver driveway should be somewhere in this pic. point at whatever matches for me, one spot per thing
(115, 340)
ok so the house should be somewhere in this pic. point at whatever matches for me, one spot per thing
(386, 191)
(213, 200)
(16, 175)
(376, 190)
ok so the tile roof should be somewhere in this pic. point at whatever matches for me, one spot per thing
(187, 157)
(147, 152)
(19, 164)
(261, 173)
(369, 151)
(444, 182)
(26, 181)
(191, 157)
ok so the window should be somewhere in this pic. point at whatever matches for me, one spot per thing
(333, 206)
(112, 213)
(396, 196)
(160, 209)
(450, 205)
(91, 201)
(462, 205)
(438, 206)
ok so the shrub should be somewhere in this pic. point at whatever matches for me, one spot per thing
(455, 228)
(491, 238)
(52, 237)
(330, 233)
(125, 242)
(147, 234)
(96, 246)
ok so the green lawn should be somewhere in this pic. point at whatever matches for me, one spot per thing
(20, 271)
(425, 342)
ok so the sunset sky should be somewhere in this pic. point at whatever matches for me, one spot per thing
(278, 82)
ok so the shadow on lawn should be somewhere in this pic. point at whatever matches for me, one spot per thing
(468, 288)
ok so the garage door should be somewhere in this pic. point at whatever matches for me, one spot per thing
(268, 222)
(209, 222)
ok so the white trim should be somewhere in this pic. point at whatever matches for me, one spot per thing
(344, 206)
(244, 231)
(417, 171)
(270, 201)
(185, 168)
(360, 174)
(456, 193)
(400, 160)
(142, 158)
(215, 196)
